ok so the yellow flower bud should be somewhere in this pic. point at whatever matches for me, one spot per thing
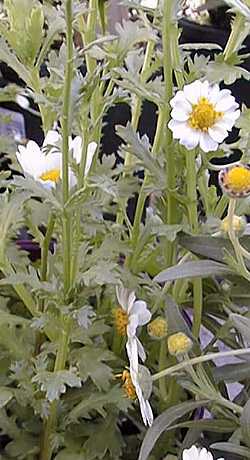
(179, 343)
(239, 224)
(158, 328)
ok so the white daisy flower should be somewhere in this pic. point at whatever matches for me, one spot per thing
(133, 389)
(131, 314)
(43, 168)
(197, 454)
(45, 164)
(202, 115)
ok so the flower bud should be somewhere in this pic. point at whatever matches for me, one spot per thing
(158, 328)
(239, 224)
(179, 343)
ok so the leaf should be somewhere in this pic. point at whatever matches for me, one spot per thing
(140, 148)
(98, 401)
(103, 273)
(105, 439)
(245, 423)
(175, 320)
(230, 373)
(163, 422)
(195, 269)
(240, 7)
(220, 70)
(242, 324)
(212, 247)
(5, 396)
(54, 383)
(90, 362)
(231, 448)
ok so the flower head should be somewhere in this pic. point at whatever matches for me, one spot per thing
(235, 180)
(158, 328)
(197, 454)
(139, 386)
(179, 343)
(45, 164)
(202, 115)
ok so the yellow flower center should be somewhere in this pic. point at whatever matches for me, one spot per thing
(128, 385)
(203, 115)
(52, 175)
(179, 343)
(236, 179)
(158, 328)
(121, 321)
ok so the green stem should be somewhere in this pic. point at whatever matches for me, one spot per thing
(240, 30)
(61, 357)
(143, 195)
(49, 428)
(136, 113)
(45, 247)
(193, 221)
(66, 132)
(197, 360)
(221, 207)
(162, 364)
(167, 43)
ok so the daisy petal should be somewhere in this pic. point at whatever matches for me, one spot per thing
(207, 144)
(217, 133)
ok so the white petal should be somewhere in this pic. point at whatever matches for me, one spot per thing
(141, 351)
(132, 352)
(178, 98)
(226, 103)
(194, 91)
(176, 127)
(52, 138)
(190, 454)
(190, 137)
(90, 155)
(207, 144)
(132, 325)
(76, 146)
(140, 309)
(217, 133)
(125, 297)
(72, 179)
(205, 454)
(180, 115)
(213, 94)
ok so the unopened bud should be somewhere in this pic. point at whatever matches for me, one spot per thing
(179, 343)
(239, 224)
(158, 328)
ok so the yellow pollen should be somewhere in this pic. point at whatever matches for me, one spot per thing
(121, 321)
(179, 343)
(203, 115)
(128, 385)
(53, 175)
(237, 179)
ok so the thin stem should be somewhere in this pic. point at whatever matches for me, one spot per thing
(45, 247)
(193, 221)
(199, 359)
(162, 364)
(66, 132)
(61, 357)
(167, 43)
(143, 195)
